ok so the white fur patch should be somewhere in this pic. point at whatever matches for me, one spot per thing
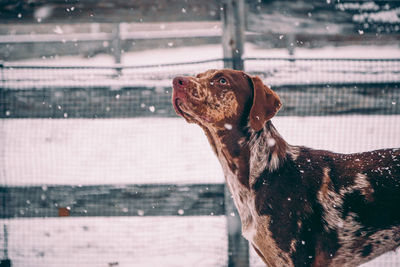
(262, 155)
(362, 184)
(350, 252)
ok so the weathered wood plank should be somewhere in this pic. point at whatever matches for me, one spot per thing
(112, 200)
(84, 102)
(81, 11)
(233, 37)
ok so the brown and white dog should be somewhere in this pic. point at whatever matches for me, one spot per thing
(298, 206)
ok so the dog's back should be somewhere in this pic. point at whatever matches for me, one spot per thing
(354, 208)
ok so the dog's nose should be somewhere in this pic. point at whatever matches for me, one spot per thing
(180, 82)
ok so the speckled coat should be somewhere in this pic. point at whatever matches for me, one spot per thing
(298, 206)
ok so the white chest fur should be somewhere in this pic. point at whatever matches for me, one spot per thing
(243, 199)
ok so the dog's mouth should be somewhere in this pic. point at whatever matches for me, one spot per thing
(177, 102)
(191, 118)
(185, 105)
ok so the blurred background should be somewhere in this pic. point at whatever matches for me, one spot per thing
(96, 169)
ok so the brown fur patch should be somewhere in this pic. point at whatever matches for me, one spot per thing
(222, 107)
(266, 244)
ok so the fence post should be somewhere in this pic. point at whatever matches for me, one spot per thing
(290, 43)
(238, 247)
(233, 38)
(116, 47)
(116, 43)
(5, 262)
(2, 79)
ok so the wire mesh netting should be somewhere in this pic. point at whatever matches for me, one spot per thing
(334, 86)
(69, 128)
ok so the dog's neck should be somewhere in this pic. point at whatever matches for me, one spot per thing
(246, 153)
(268, 151)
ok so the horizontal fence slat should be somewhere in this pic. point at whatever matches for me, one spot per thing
(298, 100)
(112, 200)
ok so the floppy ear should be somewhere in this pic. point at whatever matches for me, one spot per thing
(266, 104)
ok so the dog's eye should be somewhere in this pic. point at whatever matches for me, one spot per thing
(222, 81)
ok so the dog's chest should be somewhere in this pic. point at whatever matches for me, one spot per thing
(255, 228)
(242, 198)
(240, 194)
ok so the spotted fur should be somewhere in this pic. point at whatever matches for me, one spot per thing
(298, 206)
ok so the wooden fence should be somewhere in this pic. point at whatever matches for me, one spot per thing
(128, 200)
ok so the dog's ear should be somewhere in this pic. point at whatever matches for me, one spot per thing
(266, 104)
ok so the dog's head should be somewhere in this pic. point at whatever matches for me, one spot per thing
(224, 98)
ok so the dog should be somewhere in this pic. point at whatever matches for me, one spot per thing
(298, 206)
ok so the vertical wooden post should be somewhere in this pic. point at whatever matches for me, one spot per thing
(238, 247)
(2, 78)
(116, 47)
(116, 43)
(233, 38)
(5, 262)
(290, 44)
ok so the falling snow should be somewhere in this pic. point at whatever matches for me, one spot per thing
(118, 151)
(58, 30)
(228, 126)
(271, 142)
(140, 212)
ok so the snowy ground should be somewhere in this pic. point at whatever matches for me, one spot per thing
(122, 241)
(204, 52)
(118, 151)
(113, 151)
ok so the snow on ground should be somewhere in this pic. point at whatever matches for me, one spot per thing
(106, 151)
(157, 150)
(118, 241)
(204, 52)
